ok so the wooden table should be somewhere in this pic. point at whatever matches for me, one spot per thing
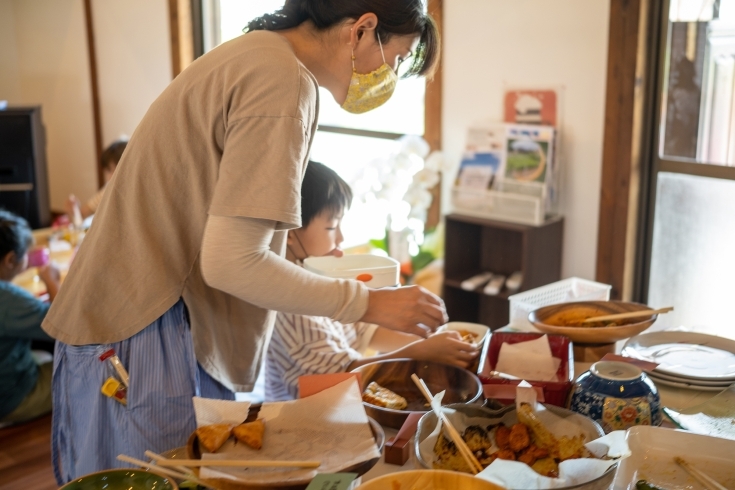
(676, 398)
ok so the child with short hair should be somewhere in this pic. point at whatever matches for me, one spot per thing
(317, 345)
(108, 161)
(25, 384)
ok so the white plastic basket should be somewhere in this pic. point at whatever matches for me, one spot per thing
(564, 291)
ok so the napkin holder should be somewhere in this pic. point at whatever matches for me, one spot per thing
(397, 449)
(554, 392)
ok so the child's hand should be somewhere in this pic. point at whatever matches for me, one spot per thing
(444, 347)
(49, 274)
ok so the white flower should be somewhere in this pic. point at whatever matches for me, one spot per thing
(426, 178)
(412, 144)
(407, 163)
(418, 197)
(436, 162)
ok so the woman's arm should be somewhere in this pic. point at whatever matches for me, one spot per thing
(236, 258)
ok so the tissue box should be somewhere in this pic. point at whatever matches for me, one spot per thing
(555, 392)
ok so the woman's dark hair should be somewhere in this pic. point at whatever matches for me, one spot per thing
(113, 153)
(322, 190)
(15, 235)
(395, 18)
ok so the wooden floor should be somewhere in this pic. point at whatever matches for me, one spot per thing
(25, 456)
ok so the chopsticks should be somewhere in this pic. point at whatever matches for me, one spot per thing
(237, 463)
(169, 472)
(706, 480)
(630, 314)
(469, 457)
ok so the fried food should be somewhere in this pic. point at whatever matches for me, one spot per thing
(375, 394)
(528, 441)
(468, 337)
(213, 436)
(519, 437)
(251, 433)
(502, 437)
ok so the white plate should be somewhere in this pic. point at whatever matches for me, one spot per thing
(678, 379)
(686, 385)
(652, 459)
(686, 355)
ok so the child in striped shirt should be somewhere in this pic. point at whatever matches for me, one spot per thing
(318, 345)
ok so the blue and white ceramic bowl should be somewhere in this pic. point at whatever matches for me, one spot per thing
(617, 395)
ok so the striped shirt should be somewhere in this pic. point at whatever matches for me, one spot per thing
(310, 345)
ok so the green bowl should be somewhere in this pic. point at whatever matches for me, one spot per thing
(127, 479)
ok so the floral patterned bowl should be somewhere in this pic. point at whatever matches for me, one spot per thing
(617, 395)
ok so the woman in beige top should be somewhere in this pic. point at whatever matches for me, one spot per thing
(182, 270)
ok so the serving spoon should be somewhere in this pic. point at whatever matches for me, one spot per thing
(630, 314)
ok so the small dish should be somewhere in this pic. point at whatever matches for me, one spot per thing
(685, 384)
(617, 395)
(122, 479)
(654, 449)
(478, 331)
(461, 386)
(552, 319)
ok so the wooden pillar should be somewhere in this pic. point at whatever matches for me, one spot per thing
(182, 35)
(94, 85)
(433, 116)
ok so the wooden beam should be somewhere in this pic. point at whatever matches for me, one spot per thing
(182, 35)
(94, 84)
(433, 115)
(620, 187)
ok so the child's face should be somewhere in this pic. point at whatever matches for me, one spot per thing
(11, 266)
(322, 236)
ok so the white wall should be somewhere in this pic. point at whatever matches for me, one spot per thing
(44, 61)
(492, 44)
(52, 70)
(133, 61)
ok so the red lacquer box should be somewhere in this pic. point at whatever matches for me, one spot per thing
(554, 392)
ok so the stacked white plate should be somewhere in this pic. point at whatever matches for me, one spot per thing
(686, 360)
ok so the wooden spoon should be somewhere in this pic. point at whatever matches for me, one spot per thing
(630, 314)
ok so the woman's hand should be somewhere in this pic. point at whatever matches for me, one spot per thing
(410, 309)
(444, 347)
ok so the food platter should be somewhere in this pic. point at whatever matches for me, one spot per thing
(686, 356)
(566, 318)
(194, 452)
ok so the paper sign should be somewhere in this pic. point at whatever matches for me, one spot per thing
(311, 384)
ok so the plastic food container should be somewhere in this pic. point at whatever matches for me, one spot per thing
(375, 271)
(555, 392)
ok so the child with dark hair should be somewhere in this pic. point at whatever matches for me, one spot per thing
(303, 344)
(108, 161)
(25, 384)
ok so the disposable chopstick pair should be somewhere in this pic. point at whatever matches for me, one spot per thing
(466, 453)
(238, 463)
(169, 472)
(630, 314)
(706, 480)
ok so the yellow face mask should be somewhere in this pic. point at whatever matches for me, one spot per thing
(370, 90)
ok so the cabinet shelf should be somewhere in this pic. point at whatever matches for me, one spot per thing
(474, 245)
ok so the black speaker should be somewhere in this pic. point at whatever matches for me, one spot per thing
(23, 176)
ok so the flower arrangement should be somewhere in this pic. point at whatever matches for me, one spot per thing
(398, 187)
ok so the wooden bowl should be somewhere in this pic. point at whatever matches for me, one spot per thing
(461, 386)
(552, 319)
(194, 452)
(428, 480)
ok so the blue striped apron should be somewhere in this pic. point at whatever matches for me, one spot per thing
(90, 430)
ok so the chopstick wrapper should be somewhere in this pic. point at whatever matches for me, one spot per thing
(514, 474)
(330, 427)
(528, 360)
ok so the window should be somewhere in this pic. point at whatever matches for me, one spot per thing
(688, 259)
(345, 142)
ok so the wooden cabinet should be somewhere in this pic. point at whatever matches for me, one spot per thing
(474, 245)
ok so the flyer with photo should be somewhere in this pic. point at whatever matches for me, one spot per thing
(484, 157)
